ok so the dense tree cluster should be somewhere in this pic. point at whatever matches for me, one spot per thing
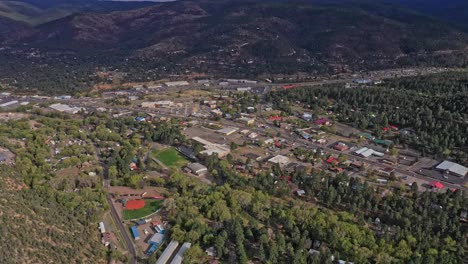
(434, 107)
(257, 218)
(45, 217)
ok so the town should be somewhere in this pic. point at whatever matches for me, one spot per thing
(233, 120)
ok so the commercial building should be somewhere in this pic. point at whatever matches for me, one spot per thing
(452, 168)
(8, 104)
(227, 131)
(212, 148)
(65, 108)
(157, 104)
(280, 159)
(177, 83)
(180, 254)
(135, 233)
(157, 239)
(367, 152)
(168, 252)
(247, 120)
(197, 168)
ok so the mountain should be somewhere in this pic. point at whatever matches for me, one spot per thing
(264, 34)
(12, 29)
(36, 12)
(453, 11)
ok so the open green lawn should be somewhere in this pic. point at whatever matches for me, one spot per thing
(150, 207)
(170, 157)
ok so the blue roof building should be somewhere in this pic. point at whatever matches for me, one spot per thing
(135, 233)
(151, 249)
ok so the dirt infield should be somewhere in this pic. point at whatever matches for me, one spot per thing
(135, 204)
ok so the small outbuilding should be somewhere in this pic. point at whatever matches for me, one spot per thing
(197, 168)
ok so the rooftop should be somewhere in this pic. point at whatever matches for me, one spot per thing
(279, 159)
(196, 167)
(453, 168)
(157, 238)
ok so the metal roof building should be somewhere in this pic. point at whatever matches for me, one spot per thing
(65, 108)
(9, 103)
(453, 168)
(227, 130)
(367, 152)
(197, 168)
(180, 254)
(280, 159)
(135, 233)
(212, 148)
(157, 238)
(176, 83)
(166, 255)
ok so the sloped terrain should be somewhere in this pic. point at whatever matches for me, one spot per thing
(265, 33)
(36, 228)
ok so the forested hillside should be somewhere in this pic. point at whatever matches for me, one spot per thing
(47, 217)
(225, 38)
(258, 219)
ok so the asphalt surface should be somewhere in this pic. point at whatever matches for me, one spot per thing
(115, 215)
(118, 221)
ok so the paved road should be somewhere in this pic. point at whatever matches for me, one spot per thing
(115, 215)
(128, 241)
(297, 139)
(285, 134)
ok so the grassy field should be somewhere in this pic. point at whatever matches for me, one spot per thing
(150, 207)
(170, 157)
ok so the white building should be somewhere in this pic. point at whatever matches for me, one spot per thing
(157, 104)
(168, 252)
(66, 108)
(197, 168)
(253, 135)
(177, 83)
(367, 152)
(453, 168)
(227, 131)
(212, 148)
(180, 254)
(8, 103)
(280, 159)
(102, 228)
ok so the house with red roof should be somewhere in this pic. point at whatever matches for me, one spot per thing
(322, 121)
(276, 118)
(331, 160)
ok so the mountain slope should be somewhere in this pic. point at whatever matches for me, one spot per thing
(303, 35)
(37, 12)
(11, 29)
(454, 11)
